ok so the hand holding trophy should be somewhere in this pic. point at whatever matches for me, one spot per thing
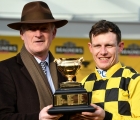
(71, 97)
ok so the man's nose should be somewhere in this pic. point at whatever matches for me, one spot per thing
(38, 33)
(103, 50)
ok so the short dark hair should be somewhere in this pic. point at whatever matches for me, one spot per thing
(104, 26)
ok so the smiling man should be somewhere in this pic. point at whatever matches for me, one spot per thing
(115, 89)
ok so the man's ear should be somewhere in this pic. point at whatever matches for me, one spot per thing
(121, 46)
(90, 47)
(21, 34)
(54, 32)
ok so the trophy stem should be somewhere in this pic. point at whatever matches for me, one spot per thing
(70, 78)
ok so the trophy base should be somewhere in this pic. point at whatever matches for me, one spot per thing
(71, 109)
(71, 101)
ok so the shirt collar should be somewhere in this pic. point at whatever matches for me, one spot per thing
(102, 73)
(38, 60)
(110, 71)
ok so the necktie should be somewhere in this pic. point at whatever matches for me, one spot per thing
(43, 65)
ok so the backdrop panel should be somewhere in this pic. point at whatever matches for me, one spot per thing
(74, 48)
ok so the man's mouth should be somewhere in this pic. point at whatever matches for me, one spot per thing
(103, 58)
(39, 41)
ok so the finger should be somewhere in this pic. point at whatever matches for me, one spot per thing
(45, 109)
(57, 115)
(91, 113)
(94, 105)
(85, 117)
(44, 114)
(49, 106)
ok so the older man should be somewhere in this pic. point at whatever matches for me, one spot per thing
(25, 88)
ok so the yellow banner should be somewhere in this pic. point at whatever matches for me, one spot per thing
(9, 46)
(73, 48)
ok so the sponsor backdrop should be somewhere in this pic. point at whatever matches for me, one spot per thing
(73, 48)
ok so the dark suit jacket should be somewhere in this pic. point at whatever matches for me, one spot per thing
(18, 95)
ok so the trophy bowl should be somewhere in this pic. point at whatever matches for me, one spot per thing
(71, 97)
(69, 68)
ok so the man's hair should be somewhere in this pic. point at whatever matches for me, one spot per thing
(104, 26)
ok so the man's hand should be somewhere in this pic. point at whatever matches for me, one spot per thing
(98, 114)
(43, 115)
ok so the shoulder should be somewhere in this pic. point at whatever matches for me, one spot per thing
(130, 69)
(131, 75)
(130, 72)
(89, 77)
(11, 62)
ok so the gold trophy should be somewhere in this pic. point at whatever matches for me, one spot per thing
(71, 97)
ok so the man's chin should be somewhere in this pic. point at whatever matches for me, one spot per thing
(104, 67)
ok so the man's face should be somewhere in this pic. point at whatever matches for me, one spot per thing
(37, 38)
(105, 50)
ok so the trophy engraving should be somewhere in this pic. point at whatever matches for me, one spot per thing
(71, 96)
(70, 99)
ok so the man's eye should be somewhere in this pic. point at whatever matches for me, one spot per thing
(32, 28)
(109, 46)
(96, 46)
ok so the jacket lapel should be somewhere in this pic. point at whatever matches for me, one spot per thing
(23, 68)
(53, 71)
